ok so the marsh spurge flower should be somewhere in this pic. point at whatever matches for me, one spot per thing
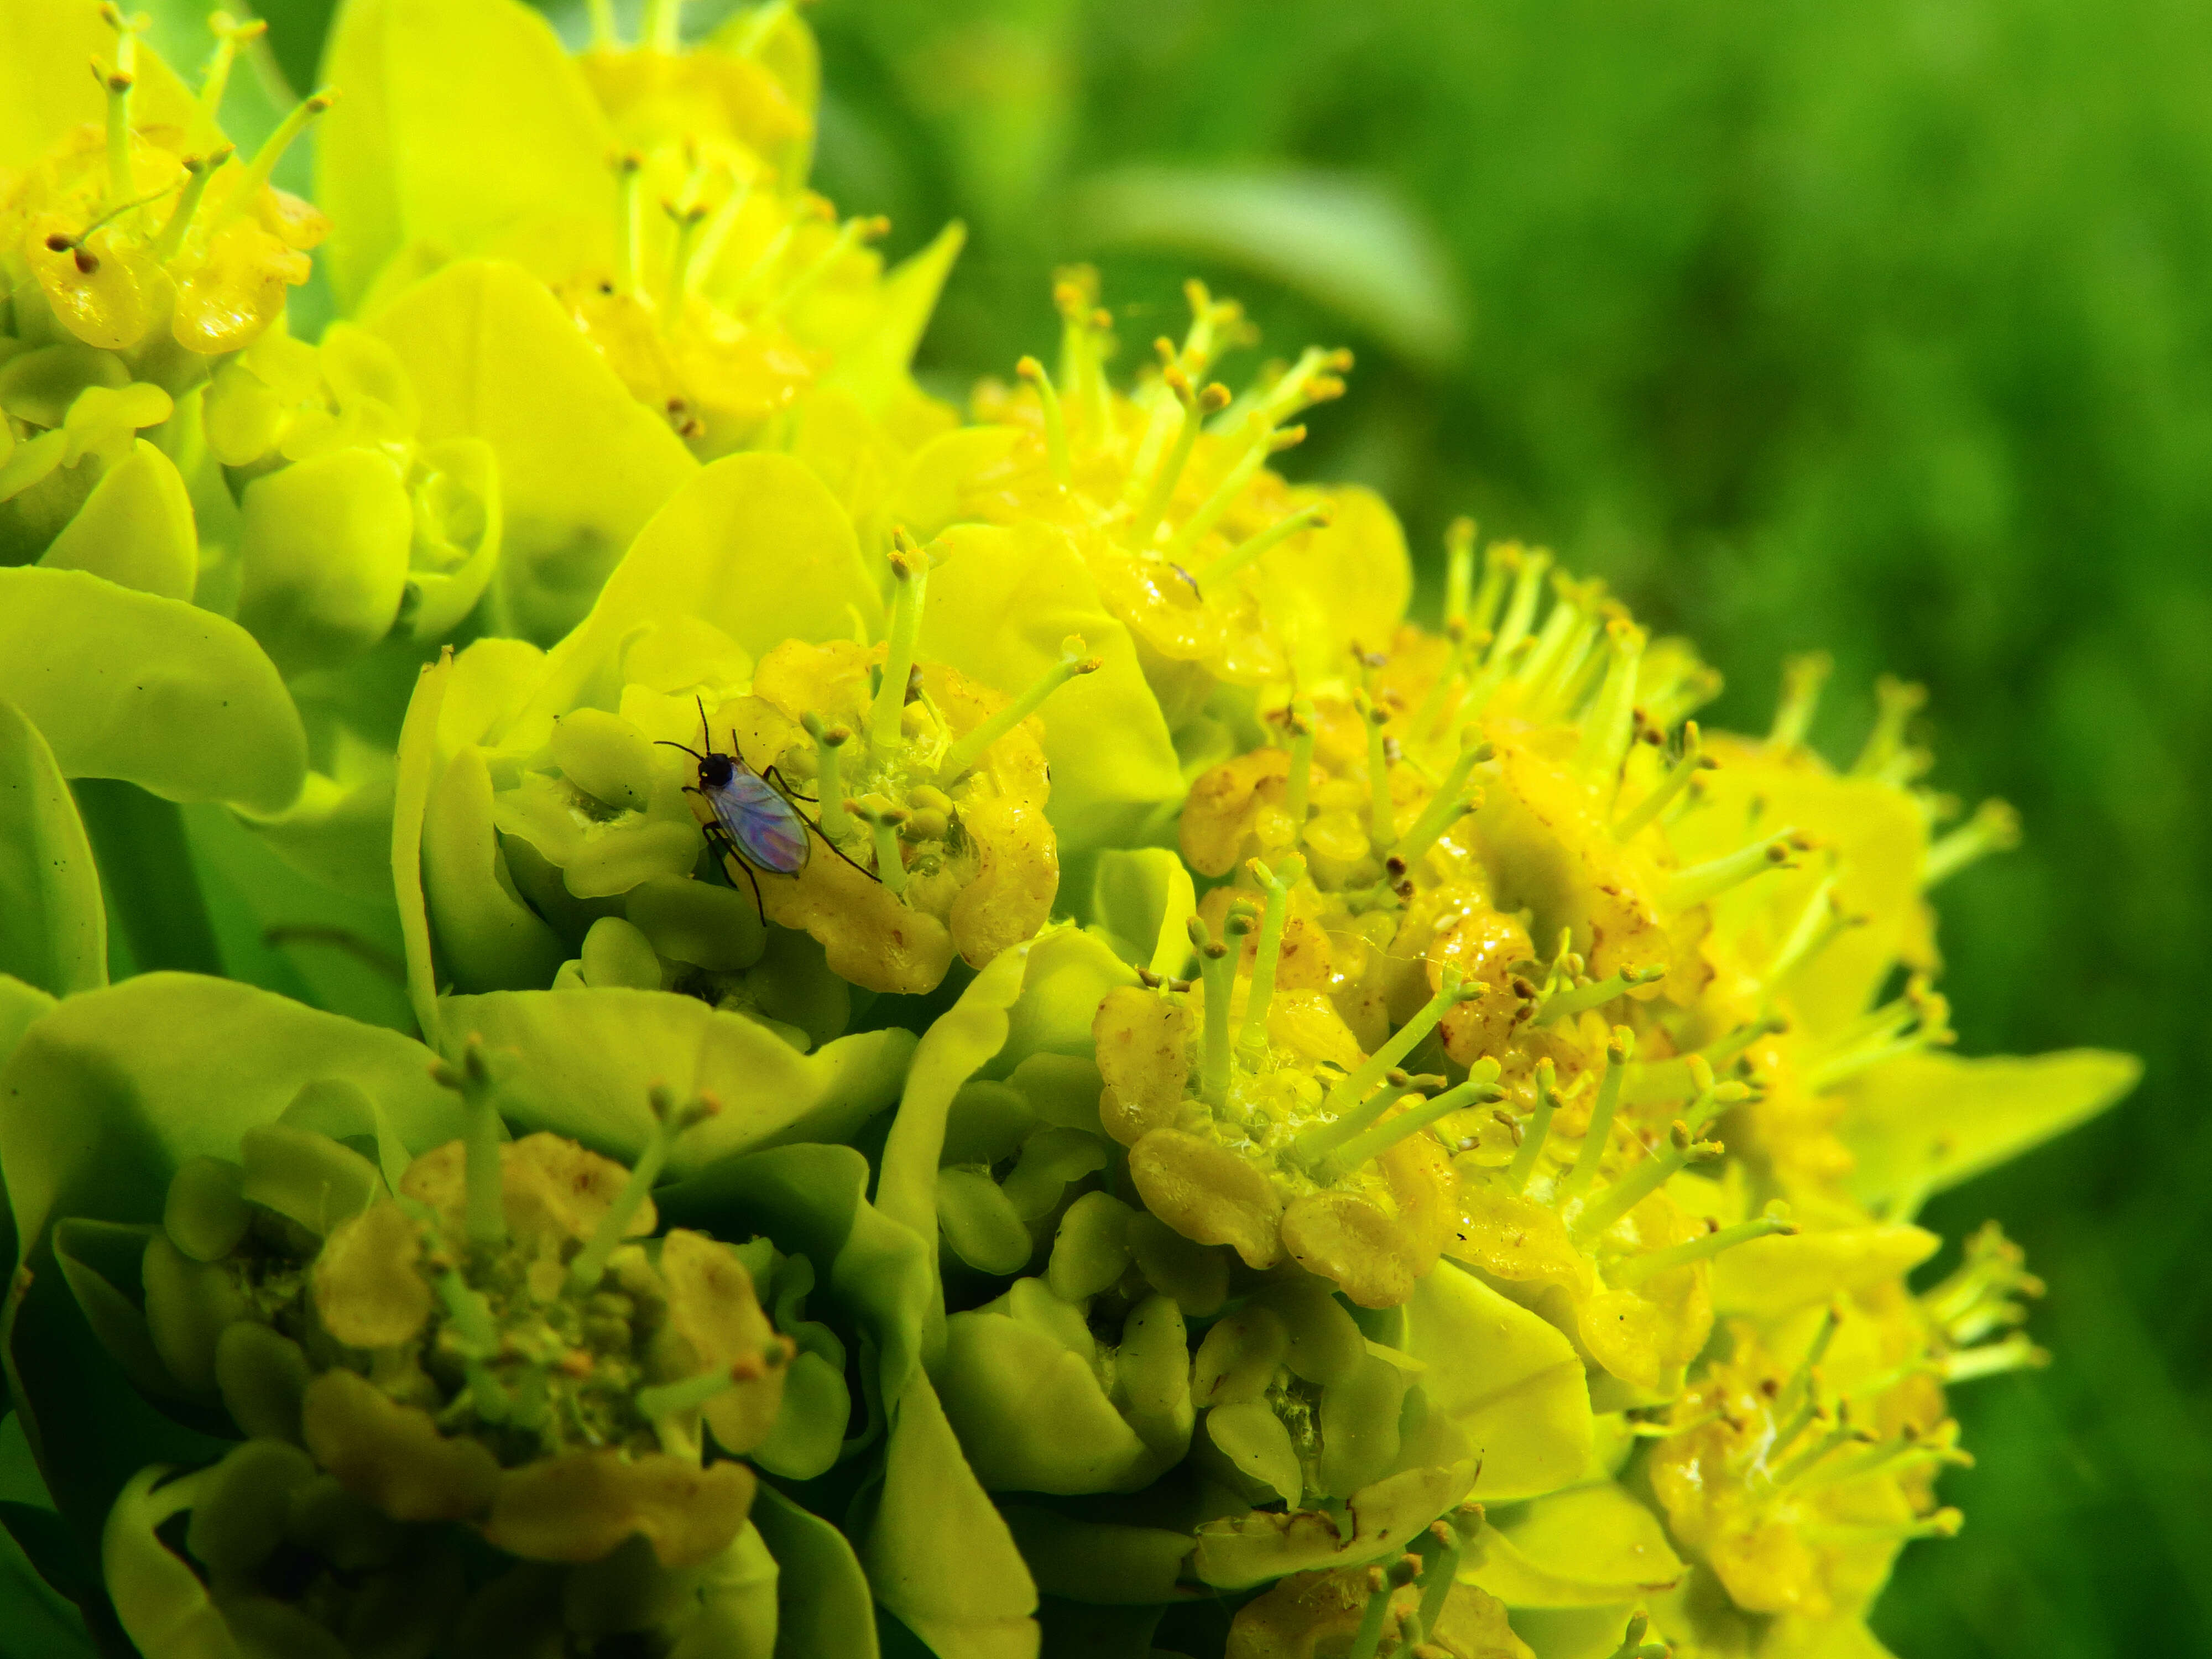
(502, 1342)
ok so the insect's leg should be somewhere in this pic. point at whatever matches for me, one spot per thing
(815, 825)
(775, 775)
(725, 848)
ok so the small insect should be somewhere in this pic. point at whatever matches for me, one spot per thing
(756, 820)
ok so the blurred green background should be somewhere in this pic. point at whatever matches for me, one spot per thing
(1884, 328)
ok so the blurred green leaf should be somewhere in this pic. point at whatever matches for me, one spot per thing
(1349, 242)
(53, 924)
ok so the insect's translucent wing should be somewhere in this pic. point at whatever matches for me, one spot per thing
(766, 827)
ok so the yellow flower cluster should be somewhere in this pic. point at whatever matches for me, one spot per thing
(1325, 1134)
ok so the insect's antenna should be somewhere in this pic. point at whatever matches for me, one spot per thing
(670, 743)
(705, 736)
(816, 826)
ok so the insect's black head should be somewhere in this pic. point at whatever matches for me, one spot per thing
(715, 770)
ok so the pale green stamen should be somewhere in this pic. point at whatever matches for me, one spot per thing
(1646, 1178)
(1441, 1547)
(1839, 1434)
(630, 241)
(1701, 883)
(1079, 365)
(849, 235)
(1298, 786)
(1712, 1097)
(1817, 924)
(883, 820)
(1597, 1136)
(118, 81)
(661, 29)
(485, 1396)
(1306, 518)
(688, 1393)
(1450, 678)
(1539, 1129)
(1633, 1645)
(669, 1121)
(687, 221)
(1459, 570)
(1920, 1020)
(910, 569)
(1382, 1584)
(1362, 1133)
(1252, 1042)
(1196, 406)
(1381, 825)
(1637, 1267)
(1521, 610)
(471, 1317)
(2014, 1353)
(829, 792)
(1609, 728)
(199, 171)
(1055, 424)
(486, 1201)
(1896, 704)
(1802, 677)
(229, 35)
(1994, 828)
(757, 27)
(1596, 994)
(264, 161)
(1570, 615)
(1217, 969)
(1446, 805)
(1944, 1523)
(1483, 612)
(1450, 993)
(1073, 661)
(719, 224)
(1672, 1080)
(1260, 443)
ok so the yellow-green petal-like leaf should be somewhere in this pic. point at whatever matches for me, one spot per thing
(1592, 1546)
(1510, 1382)
(1927, 1122)
(1031, 1414)
(53, 924)
(822, 1594)
(324, 557)
(939, 1556)
(582, 464)
(45, 93)
(1767, 1278)
(590, 1059)
(127, 685)
(127, 1082)
(465, 128)
(999, 606)
(755, 545)
(160, 1600)
(1143, 899)
(874, 368)
(136, 528)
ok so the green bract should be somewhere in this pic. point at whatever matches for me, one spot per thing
(432, 1384)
